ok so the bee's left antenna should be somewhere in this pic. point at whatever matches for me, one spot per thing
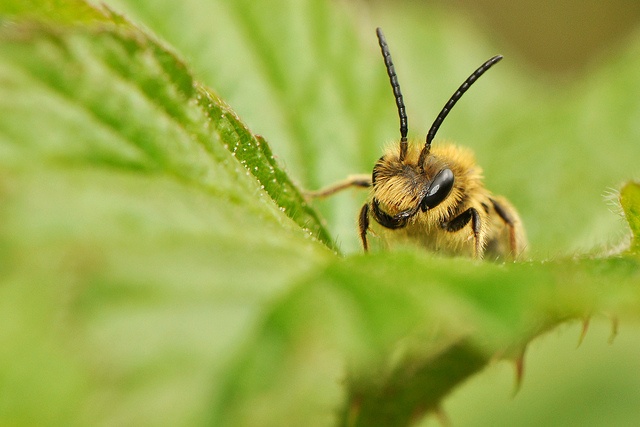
(393, 78)
(452, 101)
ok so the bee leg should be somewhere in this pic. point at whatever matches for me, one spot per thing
(457, 223)
(363, 225)
(362, 181)
(504, 215)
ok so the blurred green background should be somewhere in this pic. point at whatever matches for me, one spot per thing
(561, 38)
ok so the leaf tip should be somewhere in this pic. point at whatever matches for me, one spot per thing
(519, 370)
(583, 332)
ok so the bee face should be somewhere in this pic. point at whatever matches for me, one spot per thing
(401, 189)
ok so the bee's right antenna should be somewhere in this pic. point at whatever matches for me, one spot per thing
(452, 101)
(393, 78)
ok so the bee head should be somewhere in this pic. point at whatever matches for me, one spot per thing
(405, 185)
(401, 189)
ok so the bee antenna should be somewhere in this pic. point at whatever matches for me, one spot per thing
(452, 101)
(393, 78)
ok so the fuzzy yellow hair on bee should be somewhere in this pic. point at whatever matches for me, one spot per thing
(434, 196)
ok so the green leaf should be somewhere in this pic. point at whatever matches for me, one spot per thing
(166, 83)
(410, 341)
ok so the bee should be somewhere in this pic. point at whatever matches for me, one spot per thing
(434, 196)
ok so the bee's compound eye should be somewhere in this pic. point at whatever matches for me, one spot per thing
(438, 190)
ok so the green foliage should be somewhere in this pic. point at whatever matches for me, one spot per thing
(158, 265)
